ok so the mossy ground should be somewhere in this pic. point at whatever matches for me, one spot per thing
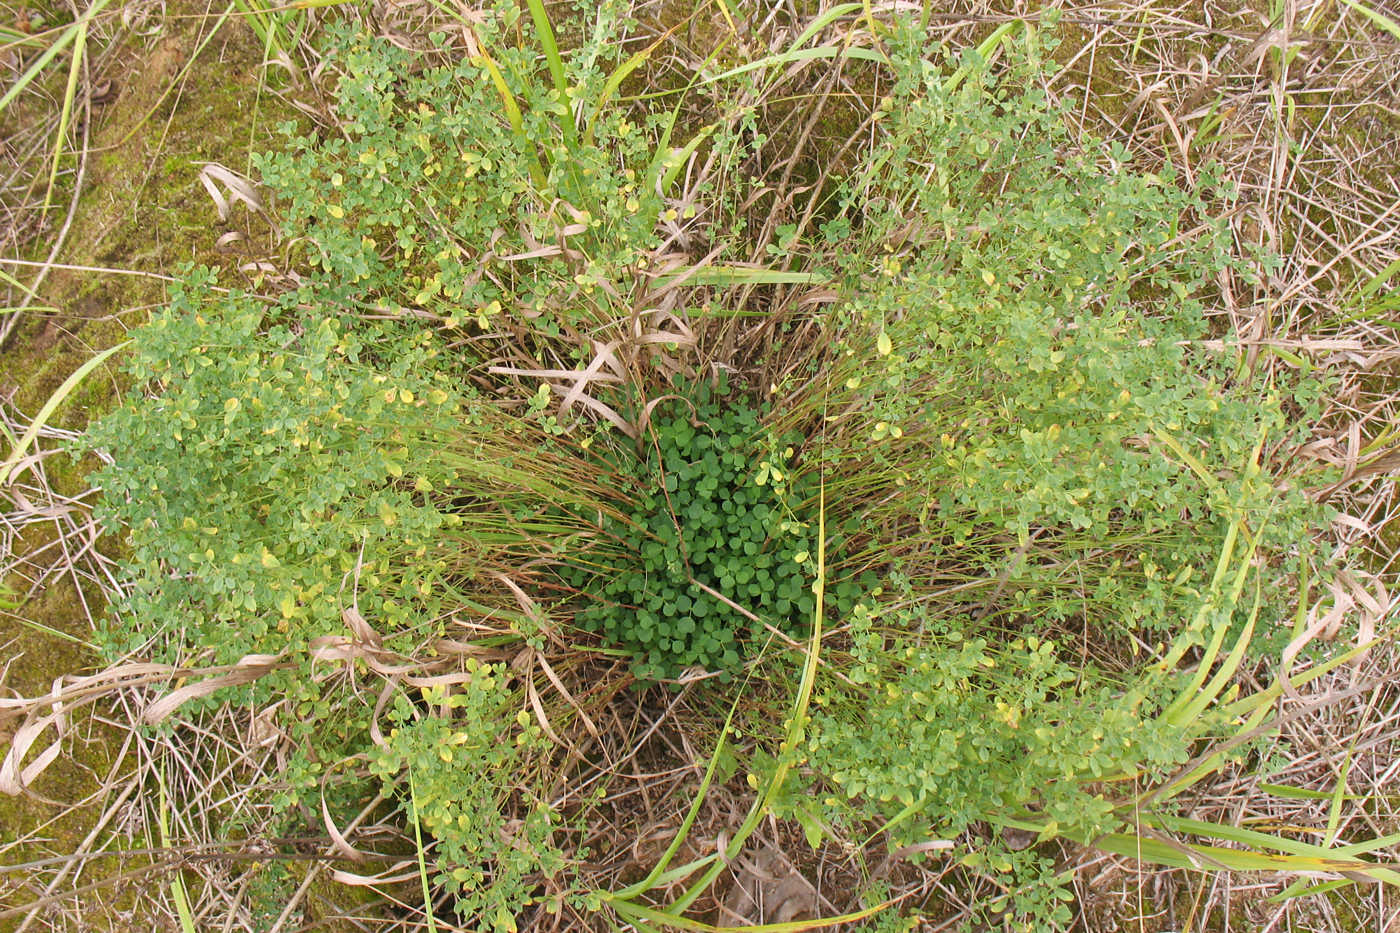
(142, 208)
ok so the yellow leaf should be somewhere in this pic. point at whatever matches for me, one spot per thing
(883, 344)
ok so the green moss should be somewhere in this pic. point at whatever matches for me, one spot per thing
(142, 208)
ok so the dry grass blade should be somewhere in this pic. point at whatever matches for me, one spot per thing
(15, 776)
(250, 668)
(213, 175)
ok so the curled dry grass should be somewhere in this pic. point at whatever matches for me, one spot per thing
(1297, 105)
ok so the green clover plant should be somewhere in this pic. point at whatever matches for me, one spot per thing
(713, 558)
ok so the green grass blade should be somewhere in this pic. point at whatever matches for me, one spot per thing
(988, 46)
(508, 101)
(722, 275)
(1197, 856)
(1196, 466)
(793, 56)
(1226, 672)
(1375, 16)
(1377, 281)
(729, 17)
(1252, 712)
(824, 20)
(1184, 641)
(544, 33)
(1252, 838)
(657, 873)
(1214, 761)
(498, 81)
(34, 70)
(1266, 698)
(70, 91)
(177, 880)
(663, 160)
(669, 876)
(671, 164)
(11, 280)
(1302, 888)
(182, 903)
(7, 605)
(50, 406)
(418, 849)
(663, 919)
(1368, 846)
(1302, 793)
(12, 38)
(615, 80)
(513, 114)
(1334, 810)
(1256, 840)
(1175, 712)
